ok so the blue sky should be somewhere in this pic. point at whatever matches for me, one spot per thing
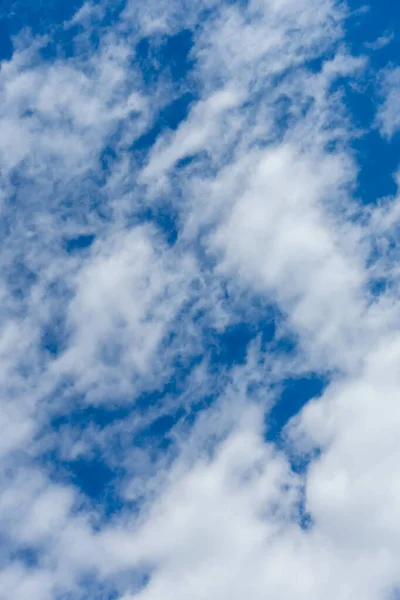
(199, 285)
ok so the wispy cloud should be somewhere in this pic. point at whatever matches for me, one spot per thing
(387, 117)
(380, 42)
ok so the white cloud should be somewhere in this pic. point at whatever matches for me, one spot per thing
(381, 42)
(277, 238)
(264, 210)
(388, 119)
(126, 299)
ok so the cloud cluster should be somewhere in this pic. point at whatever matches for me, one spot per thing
(137, 247)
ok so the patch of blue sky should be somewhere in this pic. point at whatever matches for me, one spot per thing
(94, 473)
(169, 119)
(40, 18)
(20, 279)
(164, 217)
(229, 347)
(29, 556)
(377, 158)
(371, 31)
(80, 242)
(80, 415)
(294, 394)
(94, 478)
(166, 58)
(166, 55)
(55, 333)
(89, 587)
(369, 22)
(374, 33)
(158, 415)
(53, 338)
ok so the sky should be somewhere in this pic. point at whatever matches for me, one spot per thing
(199, 300)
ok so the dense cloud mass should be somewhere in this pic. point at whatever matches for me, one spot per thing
(199, 284)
